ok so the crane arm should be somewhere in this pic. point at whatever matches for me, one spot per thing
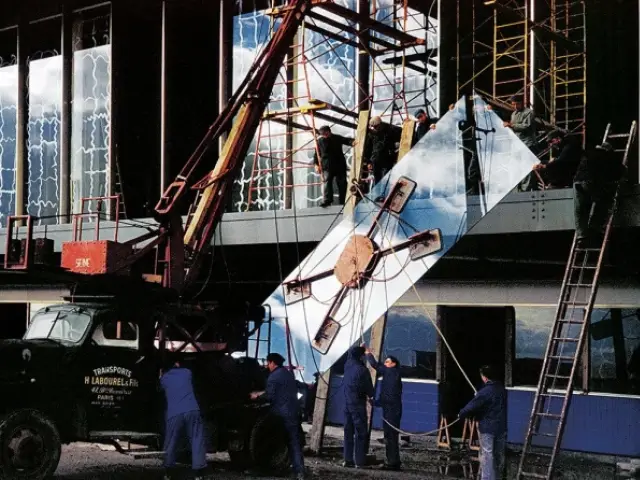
(183, 253)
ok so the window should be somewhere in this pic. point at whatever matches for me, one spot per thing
(533, 327)
(91, 123)
(615, 351)
(44, 86)
(61, 325)
(116, 333)
(411, 338)
(8, 106)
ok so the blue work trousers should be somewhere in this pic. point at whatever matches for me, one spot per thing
(189, 423)
(355, 435)
(295, 446)
(492, 455)
(392, 414)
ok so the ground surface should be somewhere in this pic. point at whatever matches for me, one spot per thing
(91, 462)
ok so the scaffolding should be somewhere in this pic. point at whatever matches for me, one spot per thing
(400, 44)
(569, 67)
(536, 49)
(401, 80)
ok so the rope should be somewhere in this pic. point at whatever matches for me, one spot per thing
(422, 434)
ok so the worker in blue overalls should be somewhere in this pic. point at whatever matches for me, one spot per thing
(358, 388)
(282, 394)
(390, 400)
(182, 417)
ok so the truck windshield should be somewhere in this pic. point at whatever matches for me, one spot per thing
(69, 326)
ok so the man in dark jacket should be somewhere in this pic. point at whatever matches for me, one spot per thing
(559, 172)
(183, 416)
(391, 402)
(424, 123)
(595, 187)
(332, 164)
(489, 408)
(358, 388)
(282, 394)
(380, 147)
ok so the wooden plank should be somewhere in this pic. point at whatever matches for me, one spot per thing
(356, 165)
(294, 110)
(585, 362)
(406, 138)
(320, 412)
(322, 393)
(510, 345)
(376, 344)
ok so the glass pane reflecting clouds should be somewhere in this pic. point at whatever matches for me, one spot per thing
(278, 172)
(436, 164)
(45, 101)
(91, 124)
(8, 104)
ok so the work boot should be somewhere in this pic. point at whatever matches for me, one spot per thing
(346, 464)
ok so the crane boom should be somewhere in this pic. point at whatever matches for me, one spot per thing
(183, 252)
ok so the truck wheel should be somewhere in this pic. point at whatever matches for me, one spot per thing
(29, 446)
(240, 459)
(269, 444)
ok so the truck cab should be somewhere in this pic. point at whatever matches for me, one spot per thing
(90, 372)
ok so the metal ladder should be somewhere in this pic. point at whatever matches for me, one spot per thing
(565, 346)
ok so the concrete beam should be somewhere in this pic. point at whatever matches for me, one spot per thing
(517, 213)
(619, 293)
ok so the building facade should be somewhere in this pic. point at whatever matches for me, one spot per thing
(111, 98)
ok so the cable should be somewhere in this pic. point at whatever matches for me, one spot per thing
(421, 434)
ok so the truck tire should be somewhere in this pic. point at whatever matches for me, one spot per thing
(269, 444)
(30, 446)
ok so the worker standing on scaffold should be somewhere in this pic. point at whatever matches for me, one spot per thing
(358, 389)
(282, 394)
(391, 402)
(332, 164)
(489, 408)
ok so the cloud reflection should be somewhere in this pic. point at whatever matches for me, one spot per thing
(436, 163)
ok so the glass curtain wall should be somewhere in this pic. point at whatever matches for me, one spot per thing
(8, 106)
(614, 348)
(324, 70)
(91, 113)
(44, 90)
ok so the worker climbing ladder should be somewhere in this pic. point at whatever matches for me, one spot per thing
(568, 335)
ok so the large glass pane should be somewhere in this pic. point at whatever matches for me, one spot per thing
(327, 75)
(399, 90)
(91, 123)
(279, 172)
(250, 34)
(8, 104)
(45, 103)
(436, 164)
(615, 351)
(533, 327)
(411, 337)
